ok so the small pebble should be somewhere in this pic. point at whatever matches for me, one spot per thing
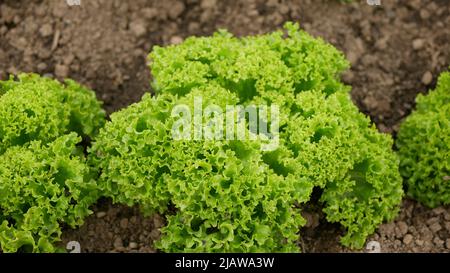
(418, 44)
(101, 214)
(133, 245)
(138, 28)
(373, 247)
(175, 40)
(427, 78)
(46, 30)
(42, 66)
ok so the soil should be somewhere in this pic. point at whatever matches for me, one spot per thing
(416, 230)
(116, 228)
(397, 50)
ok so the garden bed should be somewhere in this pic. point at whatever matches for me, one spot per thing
(396, 51)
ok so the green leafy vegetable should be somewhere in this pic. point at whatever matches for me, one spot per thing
(230, 195)
(42, 187)
(424, 146)
(328, 141)
(226, 198)
(44, 181)
(38, 108)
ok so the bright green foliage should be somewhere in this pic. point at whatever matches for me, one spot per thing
(38, 108)
(324, 139)
(328, 141)
(44, 181)
(270, 67)
(226, 198)
(230, 195)
(42, 187)
(424, 146)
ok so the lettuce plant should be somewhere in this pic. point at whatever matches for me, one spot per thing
(42, 188)
(44, 181)
(39, 108)
(424, 146)
(219, 195)
(330, 143)
(229, 195)
(325, 139)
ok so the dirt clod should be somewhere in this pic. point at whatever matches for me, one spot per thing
(407, 239)
(61, 71)
(118, 243)
(402, 229)
(124, 223)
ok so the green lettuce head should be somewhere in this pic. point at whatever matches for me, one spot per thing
(424, 146)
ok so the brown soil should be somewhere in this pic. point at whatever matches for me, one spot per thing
(116, 228)
(416, 229)
(396, 50)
